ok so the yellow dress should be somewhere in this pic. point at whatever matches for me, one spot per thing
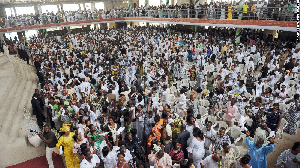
(229, 12)
(70, 157)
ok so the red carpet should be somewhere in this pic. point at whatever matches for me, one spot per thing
(40, 162)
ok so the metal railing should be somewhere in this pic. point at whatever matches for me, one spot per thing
(282, 14)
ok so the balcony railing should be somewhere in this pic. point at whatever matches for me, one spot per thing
(281, 14)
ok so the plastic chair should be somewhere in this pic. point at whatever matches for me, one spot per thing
(203, 111)
(235, 132)
(243, 148)
(237, 152)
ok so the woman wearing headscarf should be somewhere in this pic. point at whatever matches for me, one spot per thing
(66, 140)
(292, 115)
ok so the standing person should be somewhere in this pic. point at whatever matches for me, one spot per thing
(166, 135)
(90, 160)
(112, 127)
(50, 139)
(160, 159)
(231, 112)
(219, 140)
(211, 161)
(200, 77)
(208, 134)
(258, 151)
(290, 157)
(121, 162)
(292, 115)
(37, 110)
(67, 142)
(196, 148)
(182, 138)
(244, 161)
(6, 51)
(274, 116)
(228, 156)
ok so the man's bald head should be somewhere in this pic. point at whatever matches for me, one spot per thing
(216, 157)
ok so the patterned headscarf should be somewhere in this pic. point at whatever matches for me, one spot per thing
(65, 128)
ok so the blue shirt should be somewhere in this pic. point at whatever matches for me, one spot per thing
(239, 90)
(258, 155)
(273, 116)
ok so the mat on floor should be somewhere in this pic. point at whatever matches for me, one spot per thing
(40, 162)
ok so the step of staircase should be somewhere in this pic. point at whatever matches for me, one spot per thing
(18, 82)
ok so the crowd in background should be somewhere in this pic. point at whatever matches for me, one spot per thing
(252, 10)
(151, 96)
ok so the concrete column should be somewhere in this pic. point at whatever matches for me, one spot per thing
(58, 8)
(79, 6)
(84, 6)
(1, 36)
(2, 11)
(15, 11)
(61, 7)
(36, 10)
(69, 30)
(92, 6)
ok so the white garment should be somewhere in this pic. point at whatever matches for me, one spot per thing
(49, 152)
(196, 148)
(182, 101)
(111, 159)
(208, 162)
(259, 89)
(208, 142)
(94, 161)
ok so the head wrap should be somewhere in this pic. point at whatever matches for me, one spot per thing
(65, 128)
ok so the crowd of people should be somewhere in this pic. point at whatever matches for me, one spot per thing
(163, 97)
(252, 10)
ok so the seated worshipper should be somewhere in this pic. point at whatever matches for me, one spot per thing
(274, 116)
(290, 158)
(160, 159)
(258, 151)
(228, 156)
(219, 139)
(66, 141)
(245, 160)
(212, 161)
(90, 160)
(176, 153)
